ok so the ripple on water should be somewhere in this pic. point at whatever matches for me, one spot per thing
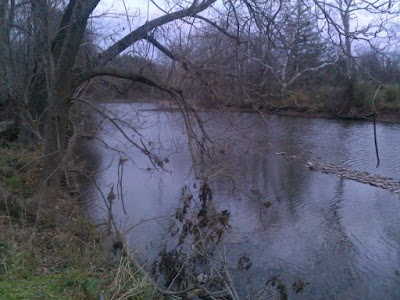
(341, 236)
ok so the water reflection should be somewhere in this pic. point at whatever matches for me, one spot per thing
(335, 259)
(341, 236)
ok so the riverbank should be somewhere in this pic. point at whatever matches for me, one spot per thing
(49, 248)
(384, 113)
(383, 116)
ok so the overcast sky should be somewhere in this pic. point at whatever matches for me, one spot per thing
(114, 19)
(132, 8)
(119, 17)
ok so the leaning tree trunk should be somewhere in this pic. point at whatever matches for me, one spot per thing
(63, 80)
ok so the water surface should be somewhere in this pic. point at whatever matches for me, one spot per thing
(341, 236)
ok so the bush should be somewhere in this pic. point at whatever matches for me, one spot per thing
(364, 93)
(20, 169)
(299, 97)
(330, 96)
(391, 93)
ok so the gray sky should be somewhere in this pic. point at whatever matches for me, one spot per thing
(114, 19)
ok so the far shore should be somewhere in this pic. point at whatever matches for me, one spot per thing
(382, 115)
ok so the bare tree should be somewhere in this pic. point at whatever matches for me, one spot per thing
(352, 21)
(65, 77)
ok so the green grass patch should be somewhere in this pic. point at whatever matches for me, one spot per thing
(20, 278)
(20, 169)
(67, 285)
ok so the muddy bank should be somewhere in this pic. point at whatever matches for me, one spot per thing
(386, 183)
(384, 116)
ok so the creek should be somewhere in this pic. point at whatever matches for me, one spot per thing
(341, 236)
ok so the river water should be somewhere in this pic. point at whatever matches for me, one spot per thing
(340, 236)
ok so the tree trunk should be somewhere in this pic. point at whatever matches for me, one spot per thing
(2, 50)
(61, 81)
(348, 101)
(33, 105)
(56, 142)
(4, 57)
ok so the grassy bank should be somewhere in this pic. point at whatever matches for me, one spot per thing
(318, 105)
(318, 101)
(327, 101)
(382, 115)
(48, 247)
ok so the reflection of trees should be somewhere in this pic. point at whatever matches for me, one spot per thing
(261, 179)
(333, 140)
(290, 139)
(247, 180)
(391, 232)
(336, 257)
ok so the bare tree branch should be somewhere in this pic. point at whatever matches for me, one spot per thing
(142, 31)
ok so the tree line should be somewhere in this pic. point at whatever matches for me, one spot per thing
(334, 55)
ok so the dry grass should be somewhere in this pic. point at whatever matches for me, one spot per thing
(48, 247)
(129, 282)
(20, 169)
